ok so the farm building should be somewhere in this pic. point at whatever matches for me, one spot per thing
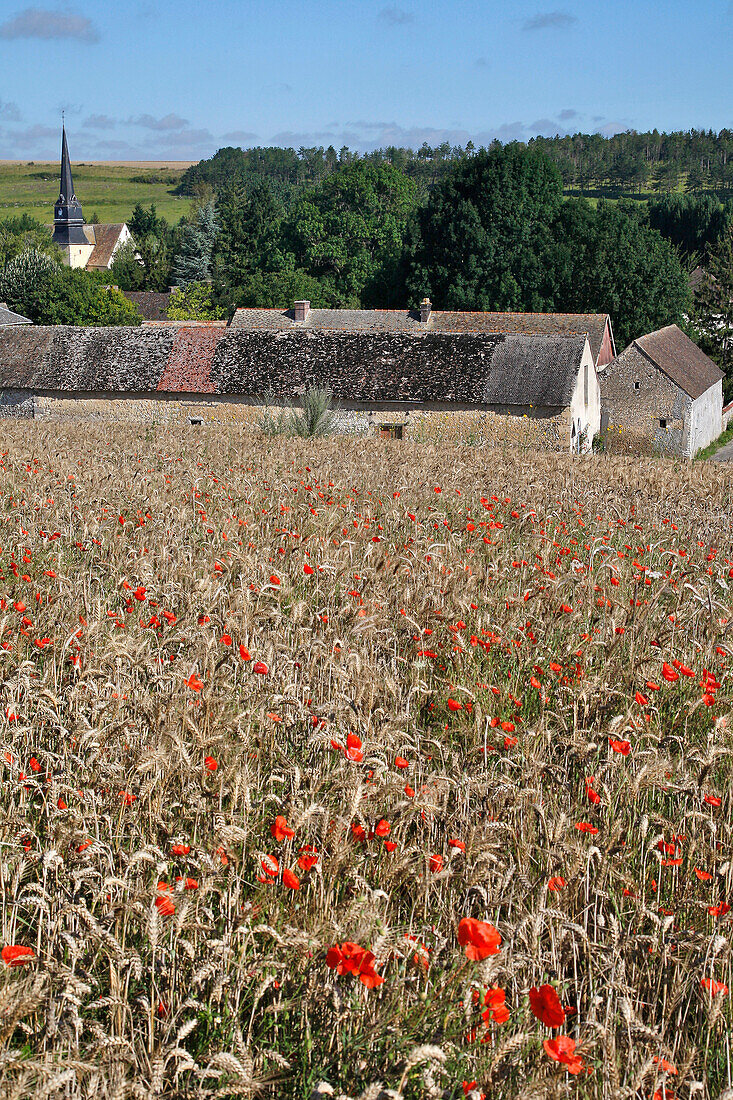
(7, 317)
(88, 246)
(664, 394)
(420, 374)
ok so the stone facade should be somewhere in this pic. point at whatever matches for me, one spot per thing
(645, 412)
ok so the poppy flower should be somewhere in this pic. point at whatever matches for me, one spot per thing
(190, 884)
(194, 683)
(350, 958)
(585, 827)
(479, 938)
(457, 844)
(270, 866)
(712, 800)
(400, 762)
(623, 747)
(126, 798)
(62, 804)
(308, 570)
(308, 857)
(719, 910)
(454, 705)
(435, 863)
(260, 668)
(556, 883)
(669, 674)
(280, 829)
(495, 1006)
(290, 879)
(210, 764)
(562, 1049)
(244, 653)
(546, 1007)
(226, 639)
(641, 699)
(704, 876)
(710, 985)
(165, 906)
(180, 849)
(382, 828)
(664, 1065)
(139, 593)
(16, 955)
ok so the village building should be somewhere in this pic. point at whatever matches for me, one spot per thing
(663, 395)
(7, 317)
(87, 246)
(411, 374)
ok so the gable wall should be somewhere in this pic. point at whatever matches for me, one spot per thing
(706, 418)
(634, 415)
(605, 355)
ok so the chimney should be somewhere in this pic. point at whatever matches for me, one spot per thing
(302, 310)
(425, 310)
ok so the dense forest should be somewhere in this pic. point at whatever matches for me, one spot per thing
(511, 227)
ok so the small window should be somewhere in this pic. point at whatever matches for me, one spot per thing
(662, 422)
(637, 385)
(390, 431)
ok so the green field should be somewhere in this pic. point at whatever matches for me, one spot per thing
(109, 190)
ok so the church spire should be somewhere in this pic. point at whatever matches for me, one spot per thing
(66, 192)
(68, 219)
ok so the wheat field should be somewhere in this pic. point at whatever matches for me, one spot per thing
(339, 767)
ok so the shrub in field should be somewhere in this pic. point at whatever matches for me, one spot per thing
(319, 773)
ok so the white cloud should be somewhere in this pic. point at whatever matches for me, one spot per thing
(44, 24)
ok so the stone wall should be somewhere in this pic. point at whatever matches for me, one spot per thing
(546, 429)
(636, 397)
(706, 420)
(16, 405)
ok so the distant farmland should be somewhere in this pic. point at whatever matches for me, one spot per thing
(109, 189)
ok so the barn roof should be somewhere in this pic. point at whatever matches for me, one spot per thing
(152, 304)
(680, 359)
(464, 368)
(7, 317)
(441, 321)
(104, 237)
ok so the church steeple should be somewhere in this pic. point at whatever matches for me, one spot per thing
(68, 220)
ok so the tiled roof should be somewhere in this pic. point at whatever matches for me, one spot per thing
(7, 317)
(104, 238)
(363, 367)
(681, 359)
(152, 305)
(441, 321)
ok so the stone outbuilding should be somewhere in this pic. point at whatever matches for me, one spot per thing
(407, 374)
(7, 317)
(662, 395)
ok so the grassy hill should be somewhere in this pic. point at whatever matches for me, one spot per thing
(110, 189)
(362, 761)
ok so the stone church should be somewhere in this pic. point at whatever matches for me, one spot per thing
(89, 246)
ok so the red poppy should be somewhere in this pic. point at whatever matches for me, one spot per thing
(260, 668)
(556, 883)
(390, 845)
(226, 639)
(713, 800)
(719, 910)
(290, 879)
(139, 593)
(586, 827)
(546, 1007)
(479, 938)
(210, 763)
(641, 699)
(280, 829)
(710, 985)
(244, 653)
(624, 747)
(704, 876)
(180, 849)
(457, 844)
(669, 673)
(190, 884)
(165, 906)
(350, 958)
(454, 705)
(194, 683)
(562, 1049)
(308, 570)
(400, 762)
(382, 828)
(270, 866)
(435, 863)
(16, 955)
(495, 1006)
(308, 857)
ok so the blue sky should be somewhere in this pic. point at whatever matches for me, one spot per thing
(176, 79)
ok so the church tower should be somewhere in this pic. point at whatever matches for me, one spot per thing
(68, 220)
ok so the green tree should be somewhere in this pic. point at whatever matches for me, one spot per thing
(250, 238)
(195, 302)
(627, 269)
(279, 289)
(193, 262)
(20, 233)
(26, 283)
(485, 238)
(37, 286)
(713, 314)
(349, 230)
